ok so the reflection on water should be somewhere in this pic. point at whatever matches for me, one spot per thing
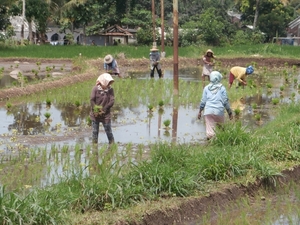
(25, 125)
(130, 125)
(12, 72)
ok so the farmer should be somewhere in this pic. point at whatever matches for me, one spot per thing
(208, 64)
(214, 101)
(102, 99)
(240, 74)
(155, 62)
(111, 65)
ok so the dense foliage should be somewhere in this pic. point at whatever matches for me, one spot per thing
(201, 22)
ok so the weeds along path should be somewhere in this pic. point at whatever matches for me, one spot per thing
(96, 67)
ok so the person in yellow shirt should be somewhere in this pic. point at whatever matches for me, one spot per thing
(240, 73)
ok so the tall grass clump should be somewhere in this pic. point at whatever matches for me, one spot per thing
(30, 209)
(170, 172)
(229, 134)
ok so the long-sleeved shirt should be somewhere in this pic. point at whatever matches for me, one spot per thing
(239, 73)
(104, 98)
(113, 66)
(215, 103)
(155, 58)
(207, 68)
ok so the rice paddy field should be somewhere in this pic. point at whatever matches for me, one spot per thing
(51, 173)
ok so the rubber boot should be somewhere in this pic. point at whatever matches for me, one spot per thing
(160, 73)
(111, 139)
(152, 73)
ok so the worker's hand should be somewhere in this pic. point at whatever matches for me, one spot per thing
(154, 63)
(230, 116)
(199, 115)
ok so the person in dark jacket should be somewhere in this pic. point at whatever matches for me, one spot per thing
(102, 99)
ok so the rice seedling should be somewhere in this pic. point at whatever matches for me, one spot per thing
(161, 103)
(281, 88)
(47, 115)
(150, 108)
(237, 112)
(254, 106)
(269, 85)
(295, 81)
(8, 105)
(167, 123)
(293, 95)
(48, 102)
(275, 101)
(77, 103)
(257, 117)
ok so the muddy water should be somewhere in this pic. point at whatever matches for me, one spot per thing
(27, 123)
(13, 73)
(25, 126)
(272, 208)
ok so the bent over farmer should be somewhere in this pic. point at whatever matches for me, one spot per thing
(239, 73)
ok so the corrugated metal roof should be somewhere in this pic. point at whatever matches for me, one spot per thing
(294, 23)
(116, 30)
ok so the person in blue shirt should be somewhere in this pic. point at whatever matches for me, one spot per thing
(214, 101)
(111, 65)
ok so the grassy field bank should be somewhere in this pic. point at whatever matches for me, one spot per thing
(49, 51)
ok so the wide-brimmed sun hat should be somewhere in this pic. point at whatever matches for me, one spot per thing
(209, 50)
(249, 70)
(154, 49)
(108, 59)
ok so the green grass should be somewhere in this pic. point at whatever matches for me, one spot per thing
(49, 51)
(170, 170)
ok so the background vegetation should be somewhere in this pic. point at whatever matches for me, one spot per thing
(200, 22)
(139, 52)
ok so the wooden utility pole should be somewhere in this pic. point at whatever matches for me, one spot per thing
(153, 21)
(162, 28)
(23, 24)
(175, 47)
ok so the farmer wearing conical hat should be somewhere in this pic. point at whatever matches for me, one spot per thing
(155, 62)
(240, 73)
(208, 63)
(111, 65)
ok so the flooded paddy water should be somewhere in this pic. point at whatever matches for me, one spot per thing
(28, 141)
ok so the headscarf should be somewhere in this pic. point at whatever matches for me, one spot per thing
(249, 70)
(215, 81)
(104, 79)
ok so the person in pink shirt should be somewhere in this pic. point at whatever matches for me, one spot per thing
(208, 63)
